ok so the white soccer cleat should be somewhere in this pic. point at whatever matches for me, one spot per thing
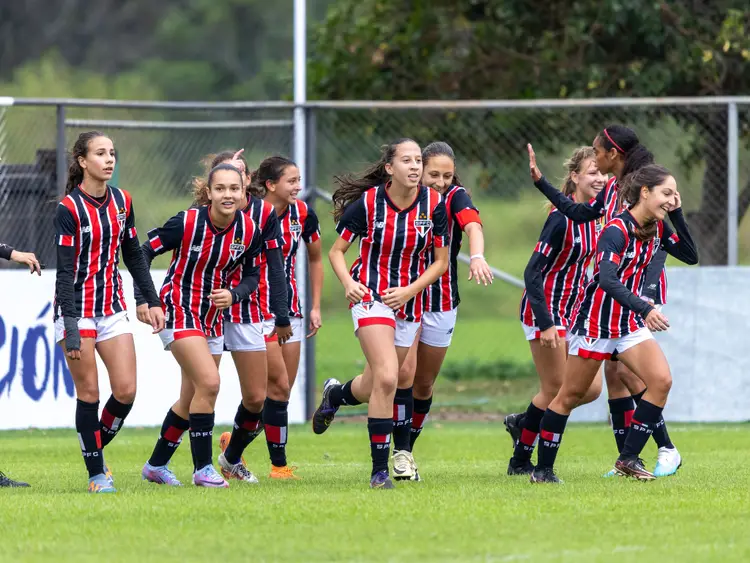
(237, 471)
(403, 465)
(668, 462)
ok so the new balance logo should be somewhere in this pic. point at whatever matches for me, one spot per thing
(630, 254)
(86, 229)
(379, 224)
(196, 248)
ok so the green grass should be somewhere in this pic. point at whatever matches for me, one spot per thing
(465, 510)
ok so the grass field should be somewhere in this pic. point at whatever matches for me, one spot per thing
(467, 509)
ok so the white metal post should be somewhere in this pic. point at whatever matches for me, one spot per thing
(733, 183)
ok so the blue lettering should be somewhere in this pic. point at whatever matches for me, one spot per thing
(28, 362)
(8, 379)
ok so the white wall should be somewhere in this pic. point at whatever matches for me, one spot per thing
(36, 389)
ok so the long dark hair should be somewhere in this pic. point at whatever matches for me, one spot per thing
(626, 142)
(80, 149)
(352, 187)
(210, 161)
(649, 176)
(270, 170)
(441, 148)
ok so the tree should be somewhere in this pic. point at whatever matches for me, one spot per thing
(500, 49)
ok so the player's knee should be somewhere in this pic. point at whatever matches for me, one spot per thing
(124, 392)
(208, 387)
(661, 383)
(593, 392)
(423, 388)
(279, 390)
(385, 379)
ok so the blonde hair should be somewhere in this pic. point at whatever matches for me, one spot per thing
(573, 165)
(200, 184)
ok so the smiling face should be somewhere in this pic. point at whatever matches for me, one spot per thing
(225, 193)
(287, 187)
(589, 180)
(659, 200)
(438, 172)
(99, 162)
(405, 168)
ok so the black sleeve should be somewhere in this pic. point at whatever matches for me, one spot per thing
(353, 222)
(65, 233)
(580, 212)
(653, 275)
(609, 249)
(679, 244)
(279, 288)
(160, 240)
(250, 270)
(550, 242)
(272, 232)
(5, 251)
(311, 228)
(136, 263)
(440, 226)
(463, 210)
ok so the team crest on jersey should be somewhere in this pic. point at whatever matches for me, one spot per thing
(296, 229)
(599, 225)
(236, 248)
(121, 215)
(657, 242)
(423, 224)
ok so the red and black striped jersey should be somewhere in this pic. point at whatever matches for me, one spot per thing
(95, 228)
(602, 312)
(557, 272)
(257, 308)
(443, 294)
(394, 242)
(298, 221)
(203, 259)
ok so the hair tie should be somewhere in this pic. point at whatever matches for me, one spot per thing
(611, 140)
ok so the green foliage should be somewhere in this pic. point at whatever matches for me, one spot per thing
(499, 370)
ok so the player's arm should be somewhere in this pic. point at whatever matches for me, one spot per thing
(467, 217)
(7, 252)
(66, 234)
(545, 251)
(279, 288)
(136, 263)
(160, 240)
(679, 244)
(311, 236)
(580, 212)
(653, 275)
(353, 223)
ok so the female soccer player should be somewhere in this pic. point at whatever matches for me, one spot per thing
(619, 152)
(208, 244)
(613, 318)
(92, 223)
(243, 321)
(555, 278)
(277, 180)
(420, 369)
(399, 222)
(7, 252)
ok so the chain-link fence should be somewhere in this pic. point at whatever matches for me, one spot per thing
(160, 147)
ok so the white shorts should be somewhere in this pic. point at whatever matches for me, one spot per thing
(298, 329)
(244, 337)
(603, 348)
(375, 313)
(437, 328)
(169, 335)
(101, 328)
(533, 333)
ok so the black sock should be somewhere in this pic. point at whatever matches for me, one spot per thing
(89, 436)
(421, 410)
(201, 436)
(113, 415)
(550, 434)
(645, 417)
(403, 407)
(621, 411)
(637, 397)
(380, 430)
(661, 436)
(530, 423)
(247, 426)
(172, 429)
(342, 395)
(276, 423)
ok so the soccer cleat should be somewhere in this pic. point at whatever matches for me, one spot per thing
(513, 427)
(237, 471)
(611, 473)
(325, 412)
(100, 484)
(381, 480)
(544, 475)
(161, 475)
(633, 468)
(108, 475)
(224, 443)
(6, 481)
(668, 462)
(415, 468)
(520, 467)
(284, 473)
(403, 470)
(209, 477)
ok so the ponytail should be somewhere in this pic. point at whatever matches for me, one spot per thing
(351, 187)
(626, 142)
(80, 149)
